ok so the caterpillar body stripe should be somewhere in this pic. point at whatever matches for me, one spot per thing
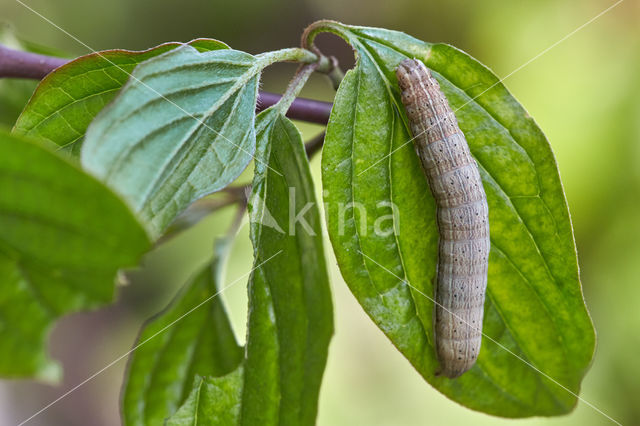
(462, 216)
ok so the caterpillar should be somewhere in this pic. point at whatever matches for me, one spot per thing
(462, 218)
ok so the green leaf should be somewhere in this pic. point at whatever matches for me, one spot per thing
(181, 128)
(69, 98)
(290, 311)
(64, 236)
(212, 401)
(192, 337)
(534, 305)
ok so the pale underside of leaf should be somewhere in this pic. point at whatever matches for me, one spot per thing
(181, 128)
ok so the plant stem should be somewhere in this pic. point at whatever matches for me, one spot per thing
(334, 72)
(295, 85)
(198, 211)
(302, 109)
(292, 54)
(17, 64)
(322, 26)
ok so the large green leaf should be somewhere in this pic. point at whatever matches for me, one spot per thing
(191, 338)
(534, 305)
(290, 312)
(182, 127)
(67, 99)
(63, 236)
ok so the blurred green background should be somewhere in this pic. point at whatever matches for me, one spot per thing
(584, 93)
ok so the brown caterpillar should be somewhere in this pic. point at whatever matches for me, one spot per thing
(462, 214)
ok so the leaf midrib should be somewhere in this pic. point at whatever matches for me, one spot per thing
(352, 186)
